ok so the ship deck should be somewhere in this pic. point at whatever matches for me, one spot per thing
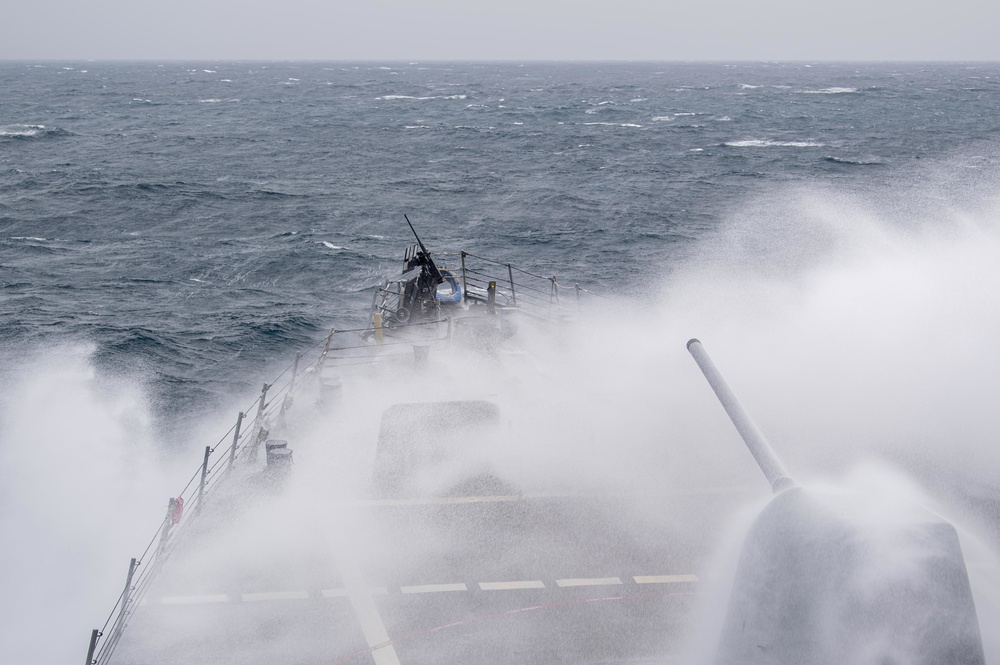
(474, 579)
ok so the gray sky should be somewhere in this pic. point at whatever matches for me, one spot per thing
(511, 30)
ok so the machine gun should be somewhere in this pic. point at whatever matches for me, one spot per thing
(828, 578)
(419, 292)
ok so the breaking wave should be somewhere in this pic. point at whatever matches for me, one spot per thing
(18, 131)
(829, 91)
(763, 143)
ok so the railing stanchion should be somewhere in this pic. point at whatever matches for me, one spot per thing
(578, 305)
(93, 645)
(491, 297)
(322, 357)
(259, 421)
(295, 371)
(236, 439)
(116, 633)
(510, 274)
(204, 476)
(167, 523)
(465, 281)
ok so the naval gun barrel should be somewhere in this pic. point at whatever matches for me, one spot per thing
(768, 462)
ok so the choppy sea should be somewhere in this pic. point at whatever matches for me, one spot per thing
(176, 231)
(191, 221)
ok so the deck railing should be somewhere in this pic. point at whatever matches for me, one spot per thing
(492, 284)
(484, 282)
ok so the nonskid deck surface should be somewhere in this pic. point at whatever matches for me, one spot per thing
(483, 579)
(518, 558)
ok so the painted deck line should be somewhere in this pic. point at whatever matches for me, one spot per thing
(434, 588)
(435, 500)
(589, 581)
(503, 586)
(195, 600)
(664, 579)
(275, 595)
(451, 500)
(363, 604)
(343, 593)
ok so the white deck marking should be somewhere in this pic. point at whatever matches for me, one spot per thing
(194, 600)
(502, 586)
(501, 498)
(363, 603)
(342, 593)
(589, 581)
(275, 595)
(664, 579)
(436, 500)
(434, 588)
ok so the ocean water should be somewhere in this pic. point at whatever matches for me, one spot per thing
(172, 233)
(192, 221)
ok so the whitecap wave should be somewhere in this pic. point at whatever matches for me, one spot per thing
(829, 91)
(763, 143)
(330, 245)
(614, 124)
(661, 118)
(869, 161)
(420, 99)
(21, 130)
(747, 86)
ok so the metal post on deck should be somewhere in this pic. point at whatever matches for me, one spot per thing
(286, 403)
(554, 294)
(204, 476)
(133, 564)
(491, 297)
(261, 403)
(322, 356)
(93, 646)
(510, 274)
(465, 280)
(167, 523)
(377, 324)
(578, 289)
(236, 439)
(259, 419)
(295, 371)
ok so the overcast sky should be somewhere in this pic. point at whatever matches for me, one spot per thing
(502, 30)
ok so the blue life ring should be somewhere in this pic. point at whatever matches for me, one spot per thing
(456, 290)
